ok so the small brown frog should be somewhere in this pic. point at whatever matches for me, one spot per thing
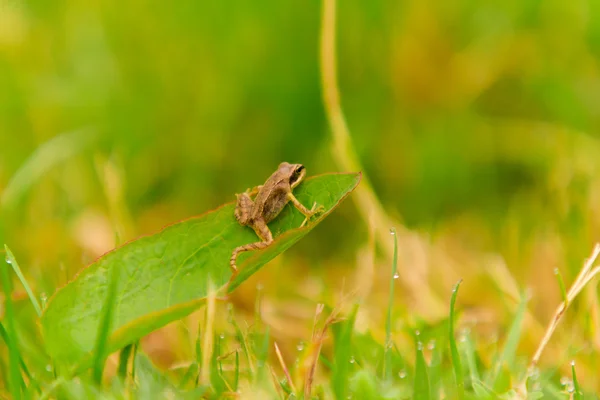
(270, 200)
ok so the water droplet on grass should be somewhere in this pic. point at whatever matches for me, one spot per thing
(43, 299)
(534, 373)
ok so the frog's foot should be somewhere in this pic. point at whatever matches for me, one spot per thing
(316, 209)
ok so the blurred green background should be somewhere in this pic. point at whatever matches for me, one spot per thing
(475, 121)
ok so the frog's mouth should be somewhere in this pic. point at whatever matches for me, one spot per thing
(297, 175)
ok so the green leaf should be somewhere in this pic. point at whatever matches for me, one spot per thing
(164, 277)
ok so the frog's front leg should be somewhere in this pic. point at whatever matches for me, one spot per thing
(307, 213)
(254, 190)
(263, 232)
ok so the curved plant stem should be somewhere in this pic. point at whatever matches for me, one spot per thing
(413, 250)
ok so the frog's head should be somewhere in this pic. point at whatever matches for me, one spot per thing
(294, 172)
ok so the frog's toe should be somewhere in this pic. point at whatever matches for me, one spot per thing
(317, 209)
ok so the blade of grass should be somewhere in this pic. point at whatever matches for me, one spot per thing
(387, 361)
(325, 361)
(482, 391)
(50, 154)
(469, 352)
(10, 258)
(262, 353)
(32, 382)
(136, 347)
(50, 389)
(342, 357)
(208, 343)
(236, 376)
(241, 338)
(217, 380)
(422, 390)
(284, 368)
(561, 285)
(508, 352)
(191, 372)
(456, 364)
(586, 274)
(436, 369)
(105, 327)
(15, 380)
(199, 356)
(316, 343)
(577, 393)
(124, 357)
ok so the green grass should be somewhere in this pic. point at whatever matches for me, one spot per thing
(12, 372)
(455, 357)
(357, 365)
(187, 104)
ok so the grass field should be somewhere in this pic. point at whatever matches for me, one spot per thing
(453, 147)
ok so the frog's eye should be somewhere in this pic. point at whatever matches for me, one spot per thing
(297, 175)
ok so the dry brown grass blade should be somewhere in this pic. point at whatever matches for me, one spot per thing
(583, 278)
(276, 383)
(585, 275)
(318, 337)
(284, 367)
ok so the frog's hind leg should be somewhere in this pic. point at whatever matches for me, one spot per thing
(243, 207)
(262, 230)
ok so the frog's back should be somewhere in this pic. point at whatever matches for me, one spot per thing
(278, 200)
(269, 204)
